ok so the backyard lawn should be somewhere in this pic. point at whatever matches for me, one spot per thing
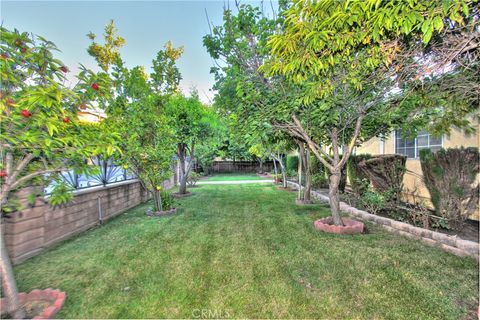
(233, 177)
(247, 251)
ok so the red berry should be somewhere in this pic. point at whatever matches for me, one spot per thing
(10, 102)
(24, 50)
(18, 42)
(66, 120)
(64, 69)
(95, 86)
(3, 173)
(26, 113)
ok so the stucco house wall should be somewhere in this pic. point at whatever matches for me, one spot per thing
(414, 187)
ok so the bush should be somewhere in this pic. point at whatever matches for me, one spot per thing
(373, 202)
(319, 175)
(385, 172)
(277, 177)
(167, 200)
(193, 177)
(292, 173)
(357, 178)
(450, 177)
(292, 164)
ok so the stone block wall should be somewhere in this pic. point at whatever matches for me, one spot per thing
(35, 228)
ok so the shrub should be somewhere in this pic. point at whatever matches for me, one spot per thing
(292, 164)
(319, 177)
(167, 200)
(292, 173)
(277, 177)
(373, 202)
(385, 172)
(193, 177)
(357, 178)
(450, 176)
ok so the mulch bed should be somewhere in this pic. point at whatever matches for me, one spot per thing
(182, 195)
(162, 213)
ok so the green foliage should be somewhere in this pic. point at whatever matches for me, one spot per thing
(108, 53)
(292, 163)
(61, 194)
(277, 177)
(385, 173)
(373, 202)
(357, 179)
(450, 175)
(137, 112)
(41, 134)
(193, 178)
(319, 173)
(168, 200)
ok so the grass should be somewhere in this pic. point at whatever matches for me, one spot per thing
(247, 251)
(234, 177)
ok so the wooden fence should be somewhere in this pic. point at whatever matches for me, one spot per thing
(240, 167)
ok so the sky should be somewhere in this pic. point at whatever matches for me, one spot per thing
(146, 26)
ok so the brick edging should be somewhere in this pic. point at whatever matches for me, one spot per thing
(451, 244)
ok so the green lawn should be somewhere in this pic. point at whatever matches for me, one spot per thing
(234, 177)
(247, 251)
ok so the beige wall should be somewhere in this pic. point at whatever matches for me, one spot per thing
(414, 187)
(86, 116)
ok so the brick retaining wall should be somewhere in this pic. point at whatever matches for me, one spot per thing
(30, 231)
(452, 244)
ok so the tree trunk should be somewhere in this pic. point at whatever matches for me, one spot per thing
(183, 185)
(304, 159)
(157, 200)
(300, 165)
(261, 165)
(275, 167)
(183, 173)
(9, 284)
(334, 196)
(308, 178)
(284, 173)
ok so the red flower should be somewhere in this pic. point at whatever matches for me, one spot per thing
(95, 86)
(26, 113)
(3, 173)
(64, 69)
(24, 50)
(66, 120)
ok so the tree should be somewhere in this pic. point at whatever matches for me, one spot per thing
(344, 55)
(146, 139)
(40, 134)
(192, 124)
(138, 112)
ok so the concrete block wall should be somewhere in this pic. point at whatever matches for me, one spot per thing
(35, 228)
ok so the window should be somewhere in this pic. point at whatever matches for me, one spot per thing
(411, 147)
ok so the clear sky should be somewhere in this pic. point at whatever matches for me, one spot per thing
(146, 26)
